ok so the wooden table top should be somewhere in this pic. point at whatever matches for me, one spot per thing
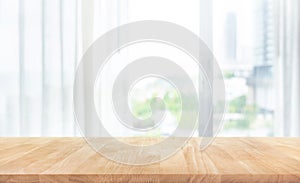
(226, 160)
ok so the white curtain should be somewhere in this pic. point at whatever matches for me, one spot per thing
(41, 42)
(288, 68)
(39, 53)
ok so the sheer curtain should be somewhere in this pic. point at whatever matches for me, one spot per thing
(41, 42)
(48, 48)
(40, 47)
(288, 68)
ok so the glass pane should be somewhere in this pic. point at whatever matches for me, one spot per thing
(243, 33)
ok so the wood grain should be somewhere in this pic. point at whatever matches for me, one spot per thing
(226, 160)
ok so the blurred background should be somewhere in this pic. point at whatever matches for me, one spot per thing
(256, 43)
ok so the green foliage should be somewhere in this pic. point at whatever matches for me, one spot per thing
(237, 105)
(249, 111)
(141, 110)
(228, 75)
(173, 103)
(171, 99)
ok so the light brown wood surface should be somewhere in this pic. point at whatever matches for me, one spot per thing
(226, 160)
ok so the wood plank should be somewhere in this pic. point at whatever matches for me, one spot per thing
(226, 160)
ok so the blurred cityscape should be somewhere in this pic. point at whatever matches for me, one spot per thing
(244, 44)
(248, 60)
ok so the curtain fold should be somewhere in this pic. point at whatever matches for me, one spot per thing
(47, 61)
(288, 68)
(44, 40)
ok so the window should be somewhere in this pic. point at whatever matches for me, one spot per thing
(244, 44)
(255, 42)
